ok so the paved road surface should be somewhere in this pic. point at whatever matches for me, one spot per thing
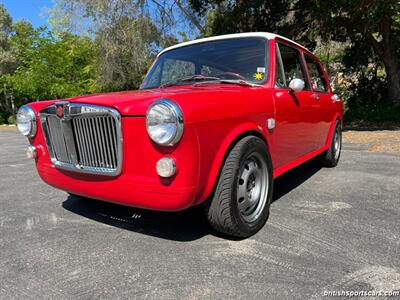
(330, 229)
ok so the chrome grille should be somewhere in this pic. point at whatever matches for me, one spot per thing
(57, 139)
(101, 149)
(83, 138)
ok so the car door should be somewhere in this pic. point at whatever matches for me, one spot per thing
(294, 125)
(322, 99)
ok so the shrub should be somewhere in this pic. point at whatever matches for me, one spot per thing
(12, 120)
(367, 100)
(2, 119)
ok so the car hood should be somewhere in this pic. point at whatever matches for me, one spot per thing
(136, 103)
(203, 102)
(127, 103)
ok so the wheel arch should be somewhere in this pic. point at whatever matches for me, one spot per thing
(336, 118)
(226, 146)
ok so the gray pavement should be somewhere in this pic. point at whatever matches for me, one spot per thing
(329, 229)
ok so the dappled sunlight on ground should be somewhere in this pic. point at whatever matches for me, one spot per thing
(376, 141)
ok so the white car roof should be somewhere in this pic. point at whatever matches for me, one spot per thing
(266, 35)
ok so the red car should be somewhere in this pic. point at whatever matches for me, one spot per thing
(214, 122)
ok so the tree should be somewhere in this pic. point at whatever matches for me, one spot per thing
(7, 59)
(126, 37)
(45, 66)
(52, 67)
(7, 62)
(373, 28)
(278, 16)
(126, 51)
(369, 27)
(128, 33)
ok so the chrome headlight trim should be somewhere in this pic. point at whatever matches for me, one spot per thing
(178, 122)
(26, 111)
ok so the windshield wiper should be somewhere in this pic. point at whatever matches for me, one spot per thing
(188, 79)
(209, 79)
(232, 81)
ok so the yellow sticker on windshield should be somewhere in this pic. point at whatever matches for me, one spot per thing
(258, 76)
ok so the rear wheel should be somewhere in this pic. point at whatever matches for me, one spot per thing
(330, 158)
(240, 204)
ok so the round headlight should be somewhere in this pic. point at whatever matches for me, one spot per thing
(26, 121)
(164, 122)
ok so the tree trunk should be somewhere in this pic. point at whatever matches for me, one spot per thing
(392, 64)
(393, 79)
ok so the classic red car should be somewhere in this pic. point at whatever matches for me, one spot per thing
(214, 122)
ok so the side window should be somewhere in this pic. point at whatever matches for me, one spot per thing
(280, 81)
(292, 66)
(318, 80)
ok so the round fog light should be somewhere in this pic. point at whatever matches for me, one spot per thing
(166, 167)
(31, 152)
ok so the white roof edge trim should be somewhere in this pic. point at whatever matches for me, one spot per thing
(266, 35)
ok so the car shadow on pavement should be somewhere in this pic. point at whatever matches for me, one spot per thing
(293, 178)
(188, 225)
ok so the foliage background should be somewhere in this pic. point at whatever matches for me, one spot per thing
(99, 46)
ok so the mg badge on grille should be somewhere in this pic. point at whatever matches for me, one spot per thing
(60, 111)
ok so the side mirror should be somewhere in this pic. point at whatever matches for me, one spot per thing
(296, 85)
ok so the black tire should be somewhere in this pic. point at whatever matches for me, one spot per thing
(330, 158)
(224, 210)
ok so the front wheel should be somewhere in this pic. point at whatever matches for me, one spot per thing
(330, 158)
(240, 204)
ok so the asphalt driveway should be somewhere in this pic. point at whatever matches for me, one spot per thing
(329, 229)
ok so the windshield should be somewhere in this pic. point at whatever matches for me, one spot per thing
(243, 59)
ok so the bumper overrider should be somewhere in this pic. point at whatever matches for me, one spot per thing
(95, 152)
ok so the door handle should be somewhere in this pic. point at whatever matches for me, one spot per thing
(315, 96)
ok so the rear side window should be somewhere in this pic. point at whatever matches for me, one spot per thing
(289, 62)
(318, 80)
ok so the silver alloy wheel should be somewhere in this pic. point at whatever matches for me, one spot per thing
(337, 143)
(252, 189)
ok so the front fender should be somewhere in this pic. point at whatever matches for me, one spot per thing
(215, 141)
